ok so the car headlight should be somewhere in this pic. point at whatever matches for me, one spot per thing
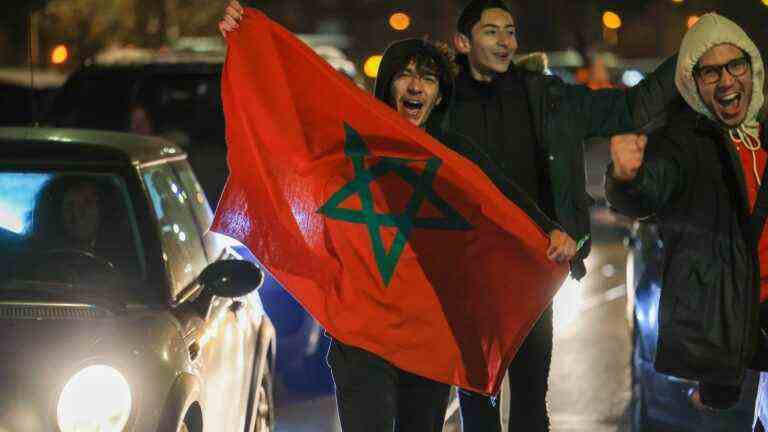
(96, 399)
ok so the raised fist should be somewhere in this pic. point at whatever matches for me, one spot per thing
(627, 152)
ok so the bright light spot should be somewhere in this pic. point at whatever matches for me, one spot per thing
(611, 20)
(11, 220)
(608, 270)
(371, 67)
(18, 193)
(60, 54)
(182, 236)
(176, 228)
(765, 2)
(567, 304)
(174, 188)
(693, 19)
(98, 398)
(631, 77)
(677, 1)
(400, 21)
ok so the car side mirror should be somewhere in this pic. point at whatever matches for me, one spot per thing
(231, 278)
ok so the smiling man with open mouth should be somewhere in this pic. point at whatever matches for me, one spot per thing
(703, 177)
(415, 92)
(533, 126)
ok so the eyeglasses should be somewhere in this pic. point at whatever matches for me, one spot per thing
(714, 73)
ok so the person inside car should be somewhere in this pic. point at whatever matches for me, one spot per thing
(75, 224)
(68, 214)
(703, 177)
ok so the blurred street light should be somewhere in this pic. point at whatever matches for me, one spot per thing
(765, 2)
(611, 20)
(371, 67)
(693, 19)
(401, 21)
(677, 1)
(60, 54)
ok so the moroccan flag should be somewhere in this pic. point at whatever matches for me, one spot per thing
(392, 241)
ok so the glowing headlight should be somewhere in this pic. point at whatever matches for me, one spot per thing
(96, 399)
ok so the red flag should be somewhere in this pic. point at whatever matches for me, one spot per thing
(393, 242)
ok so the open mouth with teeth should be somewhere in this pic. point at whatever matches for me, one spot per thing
(413, 108)
(730, 104)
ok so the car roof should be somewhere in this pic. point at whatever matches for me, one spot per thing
(138, 149)
(154, 68)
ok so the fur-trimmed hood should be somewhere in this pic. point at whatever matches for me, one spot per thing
(712, 30)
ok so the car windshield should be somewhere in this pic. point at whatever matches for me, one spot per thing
(72, 230)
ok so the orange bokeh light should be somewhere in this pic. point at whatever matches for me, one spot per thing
(400, 21)
(60, 54)
(611, 20)
(371, 66)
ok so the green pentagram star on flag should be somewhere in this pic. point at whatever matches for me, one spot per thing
(406, 221)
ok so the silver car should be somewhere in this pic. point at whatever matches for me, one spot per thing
(118, 310)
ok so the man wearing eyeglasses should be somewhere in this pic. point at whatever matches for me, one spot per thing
(703, 177)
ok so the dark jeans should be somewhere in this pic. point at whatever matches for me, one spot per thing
(374, 396)
(529, 382)
(719, 396)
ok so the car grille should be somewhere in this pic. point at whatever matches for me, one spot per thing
(50, 312)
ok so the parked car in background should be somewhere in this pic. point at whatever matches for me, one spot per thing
(661, 403)
(125, 315)
(176, 95)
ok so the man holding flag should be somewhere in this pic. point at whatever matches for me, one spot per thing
(348, 207)
(534, 126)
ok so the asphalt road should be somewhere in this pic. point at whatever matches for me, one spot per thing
(590, 379)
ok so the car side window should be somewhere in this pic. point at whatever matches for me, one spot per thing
(180, 235)
(200, 205)
(200, 208)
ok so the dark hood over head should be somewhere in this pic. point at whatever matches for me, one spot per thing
(396, 58)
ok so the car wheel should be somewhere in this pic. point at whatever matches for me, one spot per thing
(262, 418)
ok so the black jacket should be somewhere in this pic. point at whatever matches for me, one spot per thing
(563, 116)
(437, 128)
(693, 182)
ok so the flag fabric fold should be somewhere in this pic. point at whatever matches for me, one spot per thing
(393, 242)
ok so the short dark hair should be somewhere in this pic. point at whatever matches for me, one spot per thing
(473, 12)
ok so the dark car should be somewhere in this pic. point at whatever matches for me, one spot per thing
(662, 402)
(24, 96)
(119, 312)
(178, 98)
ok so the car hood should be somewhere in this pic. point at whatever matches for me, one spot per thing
(44, 352)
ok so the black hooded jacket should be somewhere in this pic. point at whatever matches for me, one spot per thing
(436, 126)
(693, 182)
(560, 117)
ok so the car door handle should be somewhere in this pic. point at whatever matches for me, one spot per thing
(194, 350)
(236, 306)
